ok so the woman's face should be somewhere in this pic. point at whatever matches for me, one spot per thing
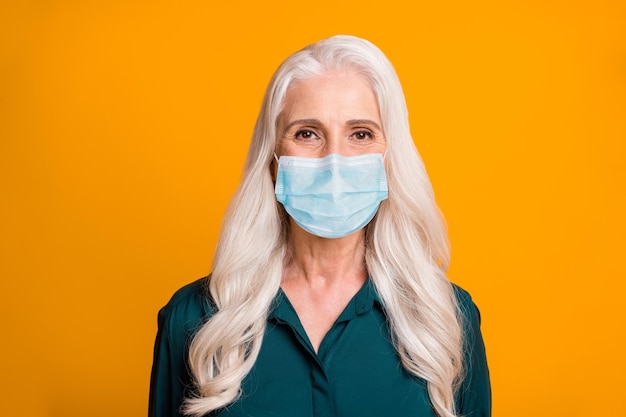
(334, 113)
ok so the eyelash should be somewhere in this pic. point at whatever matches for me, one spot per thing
(300, 132)
(368, 135)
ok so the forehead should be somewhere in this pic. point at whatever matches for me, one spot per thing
(340, 92)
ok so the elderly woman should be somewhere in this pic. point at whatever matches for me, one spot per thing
(329, 295)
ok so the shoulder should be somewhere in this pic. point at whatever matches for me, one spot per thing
(466, 305)
(469, 315)
(474, 396)
(178, 322)
(191, 293)
(188, 308)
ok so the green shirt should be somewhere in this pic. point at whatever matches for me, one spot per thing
(356, 371)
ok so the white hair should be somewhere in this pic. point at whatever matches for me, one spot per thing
(407, 251)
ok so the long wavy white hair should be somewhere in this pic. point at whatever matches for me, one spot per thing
(407, 251)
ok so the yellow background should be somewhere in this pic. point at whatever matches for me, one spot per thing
(123, 129)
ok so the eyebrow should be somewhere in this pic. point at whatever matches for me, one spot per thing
(357, 122)
(313, 122)
(316, 122)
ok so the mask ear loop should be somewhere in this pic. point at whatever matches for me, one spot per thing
(384, 155)
(274, 171)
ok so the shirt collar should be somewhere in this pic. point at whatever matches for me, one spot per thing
(361, 303)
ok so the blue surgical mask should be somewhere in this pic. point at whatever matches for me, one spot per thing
(333, 196)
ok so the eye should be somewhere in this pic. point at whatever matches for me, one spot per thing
(305, 134)
(363, 135)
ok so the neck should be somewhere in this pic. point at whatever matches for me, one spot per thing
(320, 261)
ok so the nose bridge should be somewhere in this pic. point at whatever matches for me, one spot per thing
(336, 143)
